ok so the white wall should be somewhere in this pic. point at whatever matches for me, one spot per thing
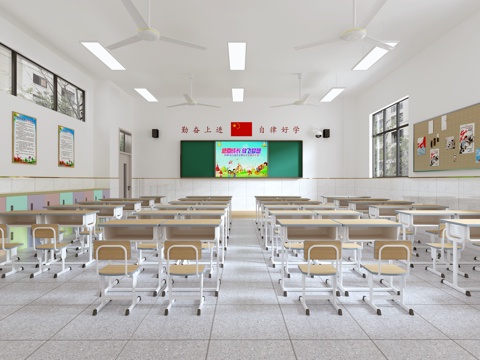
(442, 78)
(160, 158)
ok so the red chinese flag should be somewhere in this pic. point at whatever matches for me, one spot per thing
(241, 129)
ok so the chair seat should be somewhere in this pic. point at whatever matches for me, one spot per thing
(186, 270)
(350, 245)
(118, 270)
(407, 233)
(320, 269)
(208, 245)
(294, 245)
(385, 269)
(443, 246)
(51, 246)
(147, 246)
(12, 245)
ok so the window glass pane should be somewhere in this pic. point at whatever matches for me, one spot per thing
(378, 123)
(391, 154)
(378, 156)
(122, 141)
(34, 83)
(70, 99)
(391, 117)
(403, 112)
(403, 151)
(128, 143)
(5, 70)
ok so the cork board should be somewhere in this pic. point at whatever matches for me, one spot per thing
(447, 142)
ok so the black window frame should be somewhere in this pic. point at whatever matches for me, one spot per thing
(396, 132)
(55, 82)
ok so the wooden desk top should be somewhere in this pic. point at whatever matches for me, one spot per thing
(292, 212)
(192, 222)
(133, 222)
(48, 212)
(463, 222)
(308, 222)
(368, 223)
(427, 212)
(337, 212)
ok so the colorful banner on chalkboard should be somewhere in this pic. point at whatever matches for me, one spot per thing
(24, 136)
(241, 159)
(66, 147)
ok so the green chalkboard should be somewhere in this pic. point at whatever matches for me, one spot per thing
(285, 159)
(197, 159)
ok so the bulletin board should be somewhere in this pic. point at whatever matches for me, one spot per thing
(447, 142)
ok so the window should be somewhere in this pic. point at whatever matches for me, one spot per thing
(22, 77)
(70, 99)
(391, 140)
(34, 83)
(125, 142)
(5, 70)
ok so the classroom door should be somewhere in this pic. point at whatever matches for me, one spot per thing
(125, 176)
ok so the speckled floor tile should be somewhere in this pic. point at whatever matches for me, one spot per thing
(168, 350)
(337, 349)
(250, 350)
(18, 349)
(79, 350)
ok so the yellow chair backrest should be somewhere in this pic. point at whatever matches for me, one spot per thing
(393, 250)
(112, 250)
(47, 231)
(182, 250)
(322, 250)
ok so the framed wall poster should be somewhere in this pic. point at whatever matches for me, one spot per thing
(24, 139)
(66, 147)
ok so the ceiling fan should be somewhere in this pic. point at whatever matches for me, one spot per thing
(189, 98)
(145, 32)
(302, 100)
(357, 32)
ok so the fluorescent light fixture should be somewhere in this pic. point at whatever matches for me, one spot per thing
(332, 94)
(146, 94)
(237, 95)
(372, 57)
(236, 54)
(100, 52)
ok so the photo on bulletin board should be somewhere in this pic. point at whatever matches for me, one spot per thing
(422, 145)
(477, 155)
(66, 147)
(450, 143)
(466, 137)
(236, 159)
(434, 157)
(24, 136)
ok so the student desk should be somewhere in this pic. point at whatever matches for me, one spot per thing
(105, 211)
(260, 198)
(363, 205)
(156, 198)
(145, 201)
(337, 214)
(329, 198)
(300, 230)
(130, 206)
(66, 218)
(460, 231)
(194, 229)
(136, 230)
(343, 202)
(388, 211)
(365, 230)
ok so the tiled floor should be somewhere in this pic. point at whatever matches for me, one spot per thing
(47, 318)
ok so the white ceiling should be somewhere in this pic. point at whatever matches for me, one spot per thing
(271, 29)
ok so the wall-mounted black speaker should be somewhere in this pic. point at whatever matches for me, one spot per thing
(326, 133)
(155, 133)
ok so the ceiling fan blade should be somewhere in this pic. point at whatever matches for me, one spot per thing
(183, 43)
(370, 14)
(125, 42)
(378, 43)
(188, 98)
(275, 106)
(215, 106)
(135, 15)
(304, 97)
(316, 43)
(177, 105)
